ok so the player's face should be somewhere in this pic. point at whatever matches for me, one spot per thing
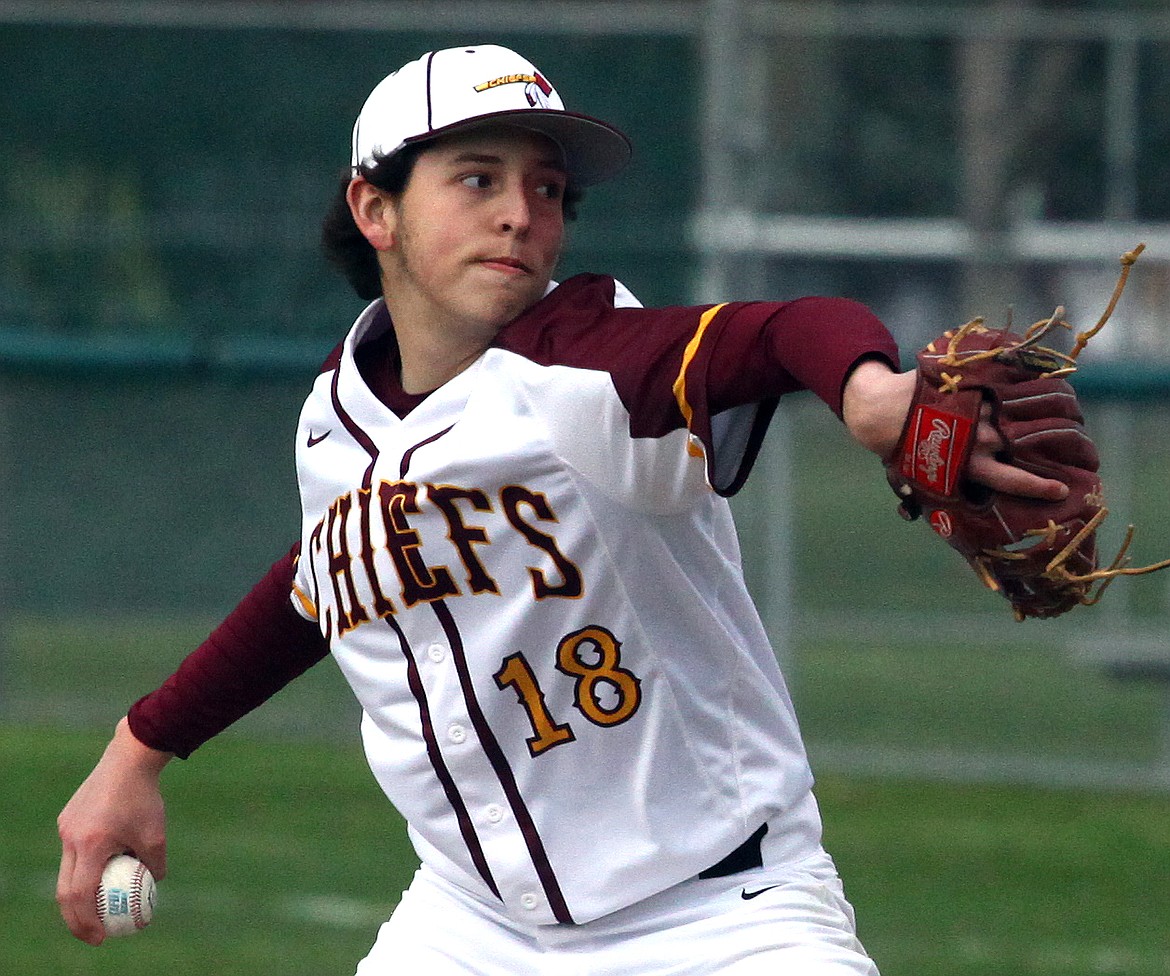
(478, 232)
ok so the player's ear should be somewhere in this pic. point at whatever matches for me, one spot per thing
(373, 212)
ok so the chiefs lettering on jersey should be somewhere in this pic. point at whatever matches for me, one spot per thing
(389, 511)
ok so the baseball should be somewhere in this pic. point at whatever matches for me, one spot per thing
(126, 895)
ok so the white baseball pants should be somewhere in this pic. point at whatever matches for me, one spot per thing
(783, 921)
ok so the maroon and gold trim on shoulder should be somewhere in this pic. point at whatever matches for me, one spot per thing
(686, 408)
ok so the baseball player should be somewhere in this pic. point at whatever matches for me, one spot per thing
(516, 545)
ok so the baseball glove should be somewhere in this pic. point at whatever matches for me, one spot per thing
(1041, 555)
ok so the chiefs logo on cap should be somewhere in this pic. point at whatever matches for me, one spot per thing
(536, 87)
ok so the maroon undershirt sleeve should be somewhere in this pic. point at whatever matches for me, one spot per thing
(811, 344)
(260, 647)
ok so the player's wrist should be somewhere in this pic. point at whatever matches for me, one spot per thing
(127, 747)
(874, 404)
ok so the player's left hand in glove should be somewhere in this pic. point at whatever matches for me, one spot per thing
(1041, 554)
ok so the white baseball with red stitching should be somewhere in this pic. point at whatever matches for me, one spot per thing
(126, 896)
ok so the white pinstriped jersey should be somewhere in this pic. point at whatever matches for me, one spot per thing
(537, 599)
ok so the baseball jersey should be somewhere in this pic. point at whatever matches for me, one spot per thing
(532, 582)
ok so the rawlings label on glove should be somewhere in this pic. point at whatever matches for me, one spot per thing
(1041, 555)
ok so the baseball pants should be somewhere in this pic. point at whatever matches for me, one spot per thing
(791, 920)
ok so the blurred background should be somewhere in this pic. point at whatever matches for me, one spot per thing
(164, 167)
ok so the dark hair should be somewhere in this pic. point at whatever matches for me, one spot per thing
(346, 247)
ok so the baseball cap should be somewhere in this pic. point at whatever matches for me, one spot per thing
(456, 88)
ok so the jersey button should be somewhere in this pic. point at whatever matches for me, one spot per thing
(436, 652)
(456, 733)
(495, 813)
(529, 901)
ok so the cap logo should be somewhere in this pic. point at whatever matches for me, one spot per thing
(536, 88)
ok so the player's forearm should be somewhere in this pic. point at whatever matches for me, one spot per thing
(258, 649)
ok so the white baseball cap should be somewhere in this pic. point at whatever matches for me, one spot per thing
(447, 90)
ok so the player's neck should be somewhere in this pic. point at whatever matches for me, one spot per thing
(424, 374)
(430, 357)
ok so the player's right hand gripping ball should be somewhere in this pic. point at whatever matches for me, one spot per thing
(126, 896)
(1041, 555)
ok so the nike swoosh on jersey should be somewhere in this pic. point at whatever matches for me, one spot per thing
(314, 441)
(749, 895)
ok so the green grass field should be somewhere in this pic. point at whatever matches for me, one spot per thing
(284, 859)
